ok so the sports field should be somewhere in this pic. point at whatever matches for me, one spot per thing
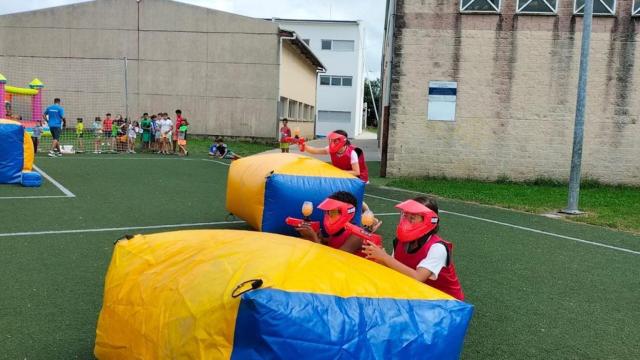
(542, 288)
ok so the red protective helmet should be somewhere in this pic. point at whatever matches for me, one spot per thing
(336, 142)
(347, 211)
(410, 230)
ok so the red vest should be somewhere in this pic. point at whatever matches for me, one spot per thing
(336, 242)
(447, 279)
(344, 162)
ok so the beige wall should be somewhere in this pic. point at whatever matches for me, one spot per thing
(298, 83)
(298, 76)
(220, 69)
(517, 81)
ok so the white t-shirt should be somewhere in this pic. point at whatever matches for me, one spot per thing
(354, 155)
(436, 259)
(166, 126)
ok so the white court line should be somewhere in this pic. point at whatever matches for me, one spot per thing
(31, 233)
(519, 227)
(33, 197)
(57, 184)
(216, 161)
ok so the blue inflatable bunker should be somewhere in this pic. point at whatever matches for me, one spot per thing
(16, 155)
(265, 189)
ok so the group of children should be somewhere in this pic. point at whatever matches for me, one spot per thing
(418, 251)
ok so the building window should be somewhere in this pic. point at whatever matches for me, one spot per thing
(635, 11)
(484, 6)
(343, 45)
(338, 45)
(334, 116)
(307, 41)
(336, 80)
(549, 7)
(600, 7)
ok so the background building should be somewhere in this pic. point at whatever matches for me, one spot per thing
(340, 47)
(222, 70)
(506, 73)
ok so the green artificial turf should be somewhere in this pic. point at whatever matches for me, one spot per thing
(536, 295)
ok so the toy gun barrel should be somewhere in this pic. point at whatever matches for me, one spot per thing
(295, 140)
(291, 221)
(363, 234)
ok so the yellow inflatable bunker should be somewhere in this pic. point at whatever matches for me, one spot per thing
(265, 189)
(229, 294)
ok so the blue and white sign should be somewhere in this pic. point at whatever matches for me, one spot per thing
(442, 100)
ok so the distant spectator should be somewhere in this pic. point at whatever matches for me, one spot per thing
(132, 133)
(54, 115)
(106, 129)
(166, 126)
(97, 135)
(145, 124)
(35, 137)
(285, 132)
(182, 139)
(80, 135)
(179, 123)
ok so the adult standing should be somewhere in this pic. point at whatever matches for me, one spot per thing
(179, 123)
(54, 116)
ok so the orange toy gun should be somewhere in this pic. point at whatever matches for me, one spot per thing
(307, 210)
(365, 234)
(296, 139)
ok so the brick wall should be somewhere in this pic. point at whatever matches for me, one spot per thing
(517, 81)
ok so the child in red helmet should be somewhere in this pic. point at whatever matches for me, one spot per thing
(343, 154)
(339, 209)
(418, 251)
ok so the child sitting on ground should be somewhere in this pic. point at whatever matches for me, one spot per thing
(220, 150)
(418, 251)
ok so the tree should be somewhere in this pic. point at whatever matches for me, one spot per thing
(375, 88)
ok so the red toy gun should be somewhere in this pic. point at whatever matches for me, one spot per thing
(307, 210)
(296, 139)
(363, 234)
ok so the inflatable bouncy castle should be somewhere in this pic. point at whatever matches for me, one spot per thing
(265, 189)
(231, 294)
(16, 155)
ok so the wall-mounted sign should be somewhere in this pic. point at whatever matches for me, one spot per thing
(442, 100)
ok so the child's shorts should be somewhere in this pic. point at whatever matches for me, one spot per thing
(182, 142)
(284, 145)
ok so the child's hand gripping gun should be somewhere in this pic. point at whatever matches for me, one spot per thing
(296, 139)
(366, 234)
(307, 210)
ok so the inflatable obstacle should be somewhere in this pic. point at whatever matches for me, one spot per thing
(265, 189)
(16, 155)
(231, 294)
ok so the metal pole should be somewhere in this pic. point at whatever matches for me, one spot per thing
(373, 99)
(126, 91)
(578, 130)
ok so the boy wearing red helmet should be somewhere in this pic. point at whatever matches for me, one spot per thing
(343, 154)
(339, 209)
(418, 251)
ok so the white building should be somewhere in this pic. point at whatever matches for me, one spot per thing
(340, 47)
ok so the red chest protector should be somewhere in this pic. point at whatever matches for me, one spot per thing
(344, 161)
(447, 278)
(336, 242)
